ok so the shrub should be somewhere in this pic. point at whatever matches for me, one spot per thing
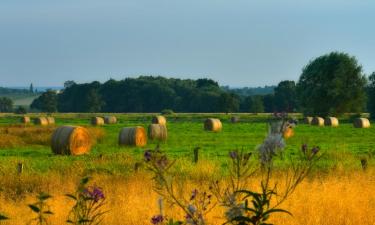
(167, 112)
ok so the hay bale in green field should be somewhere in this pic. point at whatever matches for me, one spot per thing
(212, 124)
(317, 121)
(361, 123)
(331, 122)
(157, 132)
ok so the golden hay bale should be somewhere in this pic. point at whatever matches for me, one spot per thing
(212, 124)
(25, 119)
(159, 120)
(307, 120)
(97, 121)
(41, 121)
(135, 136)
(288, 133)
(158, 132)
(317, 121)
(110, 119)
(50, 120)
(234, 119)
(361, 123)
(71, 140)
(331, 121)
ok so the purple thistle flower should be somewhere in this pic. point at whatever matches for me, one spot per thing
(94, 193)
(158, 219)
(147, 155)
(315, 150)
(233, 154)
(193, 194)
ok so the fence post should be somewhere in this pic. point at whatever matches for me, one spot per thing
(196, 154)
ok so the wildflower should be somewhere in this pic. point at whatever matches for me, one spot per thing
(193, 194)
(233, 154)
(148, 155)
(95, 193)
(273, 143)
(158, 219)
(191, 209)
(315, 150)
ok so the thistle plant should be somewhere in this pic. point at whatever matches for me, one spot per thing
(41, 209)
(255, 207)
(195, 207)
(89, 204)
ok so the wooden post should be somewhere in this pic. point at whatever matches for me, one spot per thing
(19, 168)
(196, 154)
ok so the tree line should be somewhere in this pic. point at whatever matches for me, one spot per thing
(331, 84)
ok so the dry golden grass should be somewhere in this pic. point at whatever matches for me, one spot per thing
(329, 200)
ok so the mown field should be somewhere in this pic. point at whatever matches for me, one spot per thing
(338, 191)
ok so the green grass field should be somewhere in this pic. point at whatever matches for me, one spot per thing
(343, 146)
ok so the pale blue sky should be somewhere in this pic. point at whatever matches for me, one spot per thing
(236, 42)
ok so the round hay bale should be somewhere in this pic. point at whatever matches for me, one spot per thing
(288, 132)
(71, 140)
(42, 121)
(307, 120)
(159, 120)
(317, 121)
(234, 119)
(331, 121)
(25, 119)
(97, 121)
(212, 124)
(50, 120)
(135, 136)
(157, 132)
(110, 119)
(361, 123)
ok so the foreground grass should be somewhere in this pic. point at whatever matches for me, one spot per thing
(335, 199)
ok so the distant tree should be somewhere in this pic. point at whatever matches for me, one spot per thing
(269, 103)
(6, 104)
(229, 102)
(253, 104)
(371, 95)
(285, 96)
(31, 89)
(206, 83)
(20, 110)
(47, 102)
(69, 83)
(332, 84)
(94, 102)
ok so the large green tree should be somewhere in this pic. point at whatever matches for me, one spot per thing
(46, 102)
(371, 95)
(286, 96)
(332, 84)
(6, 104)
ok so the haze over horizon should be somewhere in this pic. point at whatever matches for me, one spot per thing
(237, 43)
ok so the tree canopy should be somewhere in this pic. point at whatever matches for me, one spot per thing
(332, 84)
(46, 102)
(6, 104)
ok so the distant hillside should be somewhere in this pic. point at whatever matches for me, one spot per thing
(249, 91)
(19, 96)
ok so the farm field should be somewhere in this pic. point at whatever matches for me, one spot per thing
(338, 191)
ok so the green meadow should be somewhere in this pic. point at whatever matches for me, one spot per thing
(343, 146)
